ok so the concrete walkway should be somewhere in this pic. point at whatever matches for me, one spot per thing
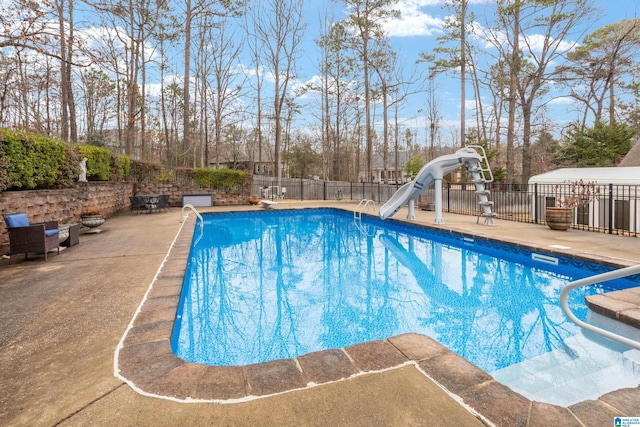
(61, 321)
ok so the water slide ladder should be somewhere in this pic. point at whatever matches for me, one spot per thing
(604, 277)
(482, 174)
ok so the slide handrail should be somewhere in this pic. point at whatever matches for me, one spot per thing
(484, 163)
(604, 277)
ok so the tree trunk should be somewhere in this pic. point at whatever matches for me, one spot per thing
(187, 63)
(463, 71)
(64, 95)
(514, 69)
(367, 111)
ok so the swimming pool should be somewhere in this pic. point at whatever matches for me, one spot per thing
(261, 286)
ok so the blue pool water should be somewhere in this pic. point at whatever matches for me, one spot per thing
(268, 285)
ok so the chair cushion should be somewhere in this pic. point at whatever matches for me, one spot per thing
(17, 220)
(51, 232)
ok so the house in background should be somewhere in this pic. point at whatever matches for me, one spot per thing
(389, 176)
(633, 156)
(239, 158)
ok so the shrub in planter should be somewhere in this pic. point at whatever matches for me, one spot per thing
(92, 218)
(570, 195)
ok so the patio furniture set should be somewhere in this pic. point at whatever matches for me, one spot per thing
(26, 237)
(149, 203)
(42, 237)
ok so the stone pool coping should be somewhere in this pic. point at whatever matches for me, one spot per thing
(145, 361)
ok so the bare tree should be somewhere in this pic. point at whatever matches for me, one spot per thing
(27, 25)
(227, 82)
(337, 68)
(68, 127)
(280, 27)
(530, 58)
(366, 19)
(597, 68)
(98, 100)
(433, 115)
(256, 47)
(445, 58)
(209, 7)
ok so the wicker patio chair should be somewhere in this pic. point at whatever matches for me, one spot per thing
(25, 237)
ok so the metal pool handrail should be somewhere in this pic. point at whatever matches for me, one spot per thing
(190, 206)
(604, 277)
(364, 204)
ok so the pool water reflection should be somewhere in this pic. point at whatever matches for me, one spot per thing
(272, 285)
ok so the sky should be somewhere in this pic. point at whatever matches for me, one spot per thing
(417, 30)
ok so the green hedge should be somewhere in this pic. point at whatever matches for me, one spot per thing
(221, 179)
(4, 171)
(120, 167)
(30, 161)
(33, 161)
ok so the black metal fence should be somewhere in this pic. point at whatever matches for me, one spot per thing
(309, 189)
(607, 208)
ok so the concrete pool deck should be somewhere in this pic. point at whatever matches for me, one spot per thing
(63, 319)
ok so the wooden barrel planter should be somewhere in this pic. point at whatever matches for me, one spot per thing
(559, 218)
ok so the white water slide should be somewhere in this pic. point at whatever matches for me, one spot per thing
(433, 172)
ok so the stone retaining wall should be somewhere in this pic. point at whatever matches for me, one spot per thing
(65, 205)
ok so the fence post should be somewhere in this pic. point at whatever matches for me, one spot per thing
(301, 189)
(610, 208)
(351, 191)
(535, 203)
(324, 191)
(448, 197)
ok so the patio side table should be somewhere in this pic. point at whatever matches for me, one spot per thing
(74, 235)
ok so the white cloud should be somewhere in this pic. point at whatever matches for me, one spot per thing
(413, 21)
(300, 89)
(536, 41)
(562, 100)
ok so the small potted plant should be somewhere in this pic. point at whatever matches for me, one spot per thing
(92, 218)
(253, 199)
(571, 194)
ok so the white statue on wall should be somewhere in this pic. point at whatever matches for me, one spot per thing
(83, 170)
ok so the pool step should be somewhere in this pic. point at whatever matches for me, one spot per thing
(561, 376)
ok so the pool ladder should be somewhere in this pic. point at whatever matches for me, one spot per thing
(364, 204)
(604, 277)
(357, 214)
(190, 206)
